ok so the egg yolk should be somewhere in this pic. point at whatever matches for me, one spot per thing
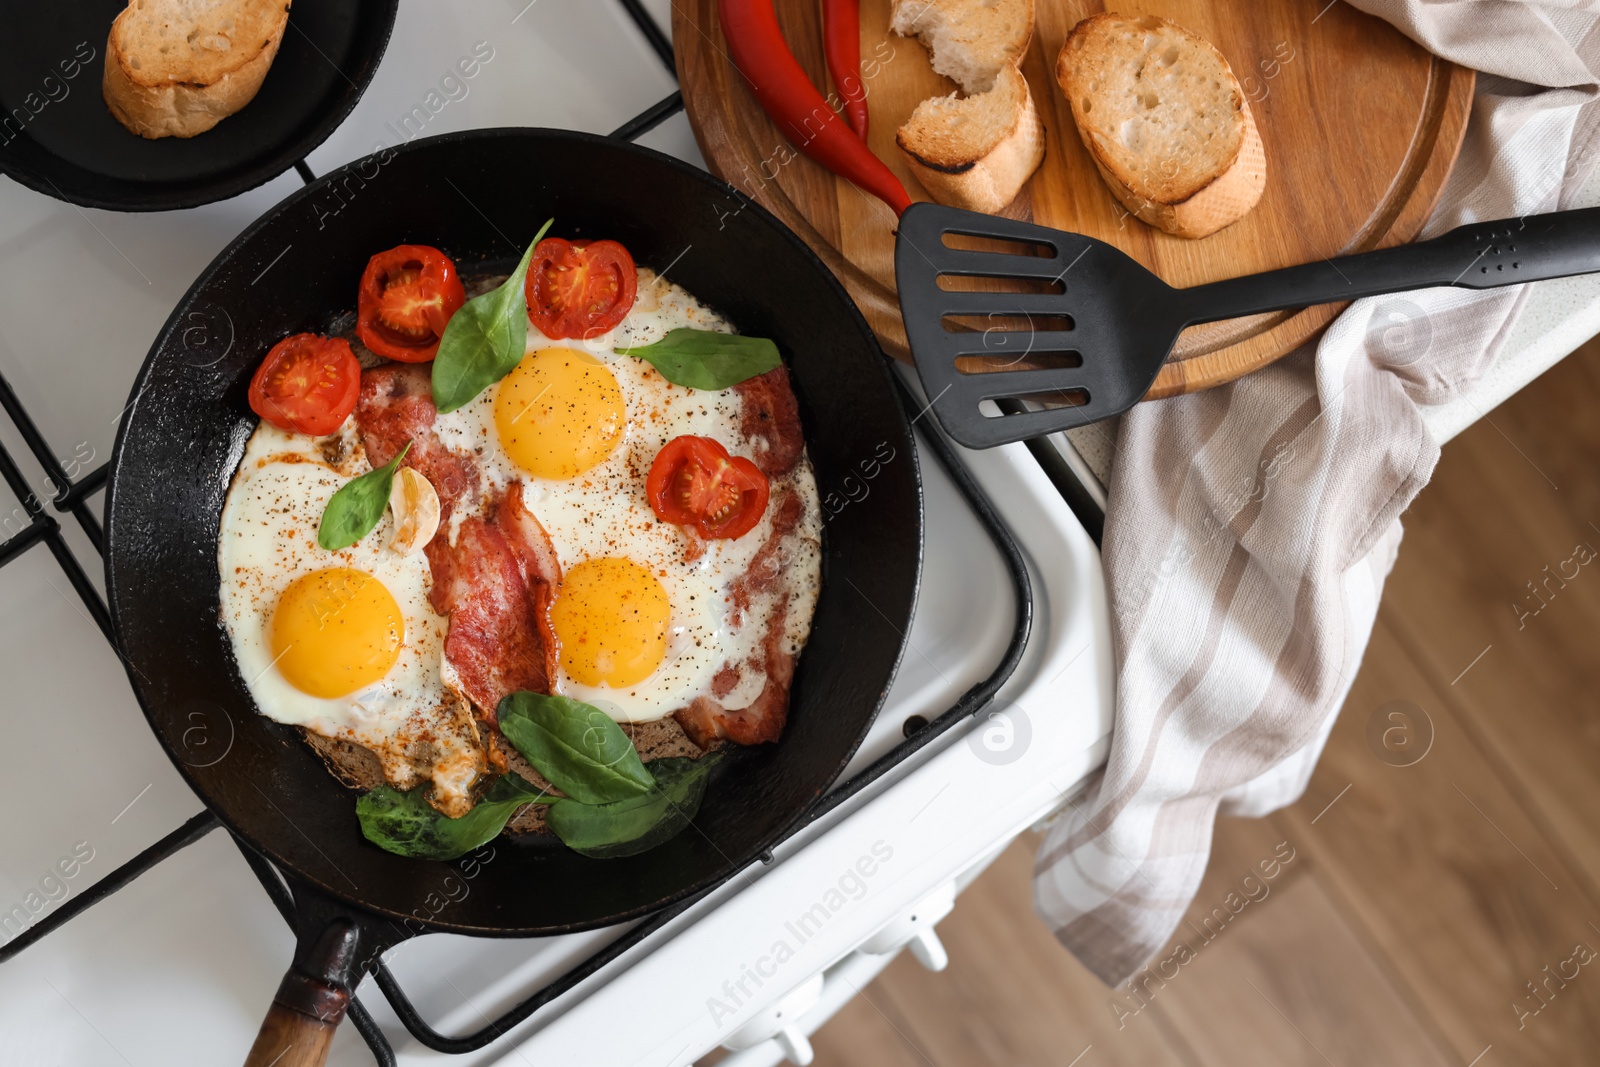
(335, 631)
(559, 412)
(611, 622)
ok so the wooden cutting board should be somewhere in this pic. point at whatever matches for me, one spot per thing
(1361, 127)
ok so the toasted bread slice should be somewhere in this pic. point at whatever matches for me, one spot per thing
(1165, 120)
(975, 152)
(969, 40)
(175, 68)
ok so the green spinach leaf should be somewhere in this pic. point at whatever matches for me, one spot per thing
(706, 359)
(638, 824)
(485, 339)
(579, 748)
(407, 825)
(358, 505)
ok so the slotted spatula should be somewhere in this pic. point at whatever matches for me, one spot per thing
(1101, 325)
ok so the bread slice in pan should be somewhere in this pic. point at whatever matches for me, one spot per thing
(1165, 120)
(357, 768)
(975, 152)
(175, 68)
(969, 40)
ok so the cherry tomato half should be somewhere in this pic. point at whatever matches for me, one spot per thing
(580, 288)
(694, 482)
(307, 384)
(407, 296)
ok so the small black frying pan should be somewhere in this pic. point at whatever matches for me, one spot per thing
(480, 196)
(57, 136)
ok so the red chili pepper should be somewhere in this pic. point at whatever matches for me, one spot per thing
(841, 40)
(784, 92)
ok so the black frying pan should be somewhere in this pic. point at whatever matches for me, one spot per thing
(479, 195)
(57, 136)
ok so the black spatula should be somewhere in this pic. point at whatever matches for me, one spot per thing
(1099, 325)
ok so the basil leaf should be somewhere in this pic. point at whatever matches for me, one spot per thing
(706, 359)
(579, 748)
(485, 339)
(358, 505)
(407, 825)
(638, 824)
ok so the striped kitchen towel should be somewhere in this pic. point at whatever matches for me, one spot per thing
(1251, 527)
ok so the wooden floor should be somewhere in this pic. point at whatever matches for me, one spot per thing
(1430, 910)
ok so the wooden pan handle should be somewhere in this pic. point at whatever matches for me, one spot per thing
(306, 1010)
(289, 1039)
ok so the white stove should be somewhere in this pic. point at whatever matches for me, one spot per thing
(180, 965)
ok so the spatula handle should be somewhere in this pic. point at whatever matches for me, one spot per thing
(1481, 255)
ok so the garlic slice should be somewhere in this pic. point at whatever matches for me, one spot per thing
(416, 510)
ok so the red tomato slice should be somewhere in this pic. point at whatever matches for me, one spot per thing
(694, 482)
(407, 297)
(307, 384)
(580, 288)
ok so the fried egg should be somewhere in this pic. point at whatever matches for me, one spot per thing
(343, 643)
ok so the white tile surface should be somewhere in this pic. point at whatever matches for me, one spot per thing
(176, 968)
(572, 64)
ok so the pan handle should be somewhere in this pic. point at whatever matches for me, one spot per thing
(310, 1002)
(291, 1039)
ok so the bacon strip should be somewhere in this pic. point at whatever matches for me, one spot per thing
(396, 406)
(767, 564)
(772, 417)
(705, 720)
(496, 584)
(528, 540)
